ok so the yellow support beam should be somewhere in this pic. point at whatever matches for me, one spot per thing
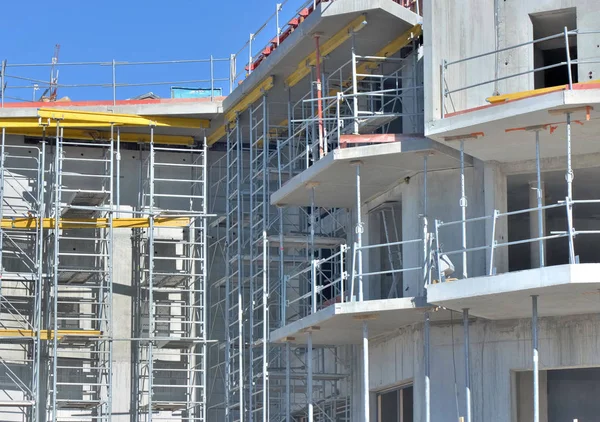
(327, 47)
(34, 123)
(95, 135)
(249, 99)
(392, 48)
(25, 223)
(122, 119)
(216, 135)
(48, 334)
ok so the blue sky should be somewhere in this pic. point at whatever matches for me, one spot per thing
(129, 30)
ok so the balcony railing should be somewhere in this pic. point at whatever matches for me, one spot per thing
(451, 70)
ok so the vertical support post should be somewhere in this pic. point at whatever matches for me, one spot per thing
(463, 206)
(354, 88)
(55, 263)
(212, 78)
(536, 368)
(568, 58)
(288, 386)
(493, 242)
(427, 370)
(442, 89)
(232, 72)
(118, 173)
(277, 10)
(2, 164)
(338, 120)
(151, 322)
(204, 279)
(359, 232)
(313, 273)
(467, 366)
(265, 316)
(366, 409)
(437, 249)
(569, 178)
(319, 95)
(250, 55)
(2, 82)
(540, 212)
(309, 381)
(114, 81)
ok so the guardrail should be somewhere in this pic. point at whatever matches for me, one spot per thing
(446, 66)
(492, 245)
(325, 279)
(114, 80)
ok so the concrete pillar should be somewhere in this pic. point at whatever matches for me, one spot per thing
(534, 221)
(495, 198)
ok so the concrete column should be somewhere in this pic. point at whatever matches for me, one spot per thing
(534, 221)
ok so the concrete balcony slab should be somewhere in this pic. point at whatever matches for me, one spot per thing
(341, 323)
(562, 290)
(497, 131)
(382, 167)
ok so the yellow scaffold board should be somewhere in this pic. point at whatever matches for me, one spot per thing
(122, 119)
(48, 334)
(325, 49)
(94, 223)
(95, 135)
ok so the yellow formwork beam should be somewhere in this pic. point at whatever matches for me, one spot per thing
(122, 119)
(326, 48)
(93, 223)
(35, 122)
(216, 135)
(249, 99)
(95, 135)
(48, 334)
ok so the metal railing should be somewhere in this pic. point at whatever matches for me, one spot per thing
(114, 80)
(491, 244)
(445, 67)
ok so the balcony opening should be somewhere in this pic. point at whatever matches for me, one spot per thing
(565, 395)
(395, 405)
(553, 51)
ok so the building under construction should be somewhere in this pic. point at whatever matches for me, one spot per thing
(376, 210)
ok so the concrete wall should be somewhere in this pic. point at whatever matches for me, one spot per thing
(498, 348)
(460, 29)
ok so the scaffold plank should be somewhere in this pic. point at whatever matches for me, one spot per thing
(48, 334)
(26, 223)
(123, 119)
(95, 135)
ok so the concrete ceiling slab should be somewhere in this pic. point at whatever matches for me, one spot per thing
(501, 142)
(341, 324)
(561, 290)
(382, 167)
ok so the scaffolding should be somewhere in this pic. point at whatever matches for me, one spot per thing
(171, 300)
(61, 204)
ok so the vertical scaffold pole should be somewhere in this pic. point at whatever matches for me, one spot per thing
(463, 207)
(467, 366)
(151, 310)
(354, 89)
(2, 164)
(288, 387)
(569, 178)
(359, 231)
(536, 368)
(427, 370)
(319, 95)
(366, 408)
(539, 198)
(309, 368)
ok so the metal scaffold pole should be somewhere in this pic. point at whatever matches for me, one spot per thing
(540, 212)
(467, 365)
(569, 178)
(463, 207)
(536, 368)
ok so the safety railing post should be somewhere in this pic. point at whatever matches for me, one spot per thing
(442, 90)
(277, 10)
(343, 249)
(2, 82)
(250, 54)
(313, 285)
(425, 250)
(437, 250)
(568, 58)
(337, 116)
(114, 81)
(569, 208)
(493, 242)
(231, 72)
(212, 78)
